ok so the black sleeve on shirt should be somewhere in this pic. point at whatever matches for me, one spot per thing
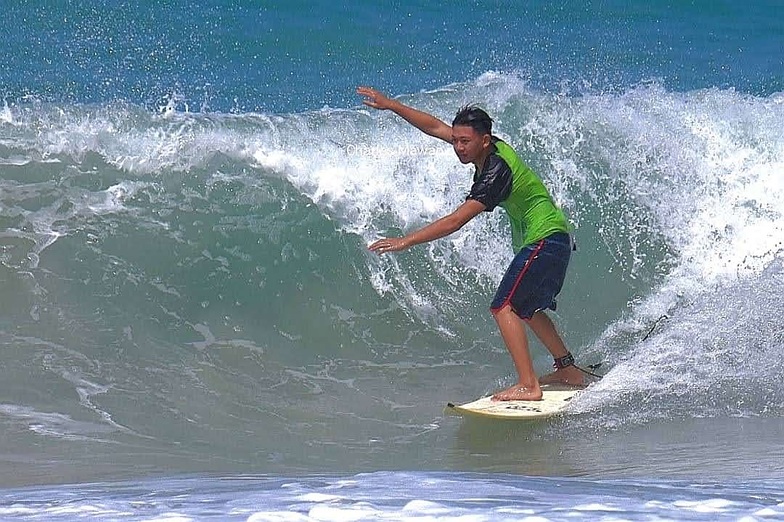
(494, 184)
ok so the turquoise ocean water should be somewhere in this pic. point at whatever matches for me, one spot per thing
(191, 325)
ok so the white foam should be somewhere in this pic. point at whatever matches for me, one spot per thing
(713, 505)
(277, 160)
(776, 511)
(112, 199)
(354, 512)
(278, 516)
(56, 425)
(204, 331)
(6, 116)
(318, 497)
(420, 507)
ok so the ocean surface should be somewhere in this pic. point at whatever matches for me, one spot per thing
(191, 326)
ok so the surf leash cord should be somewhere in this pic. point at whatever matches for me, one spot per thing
(568, 359)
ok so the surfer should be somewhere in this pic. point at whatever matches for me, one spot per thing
(540, 237)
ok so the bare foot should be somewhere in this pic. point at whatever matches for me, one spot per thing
(569, 375)
(519, 393)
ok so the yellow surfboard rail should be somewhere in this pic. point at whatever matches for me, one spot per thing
(554, 401)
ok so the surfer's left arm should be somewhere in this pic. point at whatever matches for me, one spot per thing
(437, 229)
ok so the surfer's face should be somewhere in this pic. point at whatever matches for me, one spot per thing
(469, 145)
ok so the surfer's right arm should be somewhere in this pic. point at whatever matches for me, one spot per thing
(423, 121)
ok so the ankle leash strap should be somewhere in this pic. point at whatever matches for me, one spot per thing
(563, 362)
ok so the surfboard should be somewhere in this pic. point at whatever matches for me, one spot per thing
(555, 398)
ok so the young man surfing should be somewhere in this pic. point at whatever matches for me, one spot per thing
(540, 237)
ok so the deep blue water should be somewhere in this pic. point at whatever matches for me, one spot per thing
(295, 56)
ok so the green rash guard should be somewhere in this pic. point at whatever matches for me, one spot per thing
(506, 181)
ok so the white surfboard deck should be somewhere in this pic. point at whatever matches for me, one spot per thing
(555, 398)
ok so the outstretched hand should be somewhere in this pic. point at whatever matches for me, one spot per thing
(388, 244)
(374, 98)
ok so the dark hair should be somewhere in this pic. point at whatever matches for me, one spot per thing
(474, 117)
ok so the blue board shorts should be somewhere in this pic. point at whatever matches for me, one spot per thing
(535, 276)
